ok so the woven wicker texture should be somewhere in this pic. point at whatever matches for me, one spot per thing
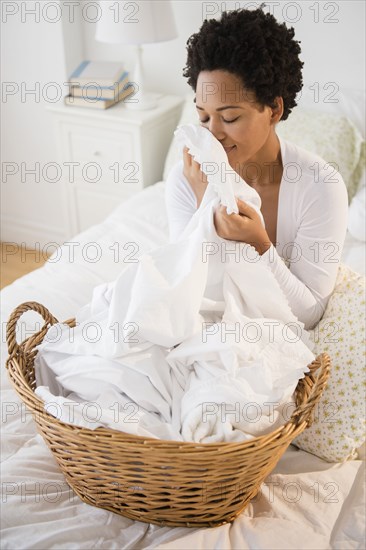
(151, 480)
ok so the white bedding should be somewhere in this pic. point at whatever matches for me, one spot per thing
(305, 502)
(182, 357)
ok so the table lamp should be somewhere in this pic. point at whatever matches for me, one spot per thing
(136, 23)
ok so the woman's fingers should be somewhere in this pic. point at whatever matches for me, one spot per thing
(196, 178)
(187, 158)
(245, 209)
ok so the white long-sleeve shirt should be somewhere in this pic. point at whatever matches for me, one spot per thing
(311, 228)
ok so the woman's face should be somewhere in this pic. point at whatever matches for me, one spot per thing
(234, 117)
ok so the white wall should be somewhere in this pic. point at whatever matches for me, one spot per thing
(332, 39)
(33, 57)
(41, 51)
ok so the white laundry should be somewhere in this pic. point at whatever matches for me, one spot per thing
(194, 342)
(210, 154)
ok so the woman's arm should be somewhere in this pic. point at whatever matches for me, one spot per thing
(315, 253)
(313, 257)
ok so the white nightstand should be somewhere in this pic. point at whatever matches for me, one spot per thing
(106, 156)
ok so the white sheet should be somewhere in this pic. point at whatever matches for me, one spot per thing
(179, 375)
(40, 511)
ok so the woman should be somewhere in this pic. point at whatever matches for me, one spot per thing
(246, 72)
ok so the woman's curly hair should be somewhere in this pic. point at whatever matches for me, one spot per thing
(252, 45)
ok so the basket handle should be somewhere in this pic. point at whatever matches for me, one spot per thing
(305, 412)
(13, 346)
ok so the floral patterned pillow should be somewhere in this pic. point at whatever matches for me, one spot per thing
(332, 137)
(338, 429)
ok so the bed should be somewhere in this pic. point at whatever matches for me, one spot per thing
(306, 502)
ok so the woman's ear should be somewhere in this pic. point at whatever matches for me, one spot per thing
(277, 111)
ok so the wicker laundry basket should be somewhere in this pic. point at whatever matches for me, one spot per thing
(151, 480)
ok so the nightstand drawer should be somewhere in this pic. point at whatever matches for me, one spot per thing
(89, 147)
(109, 155)
(102, 156)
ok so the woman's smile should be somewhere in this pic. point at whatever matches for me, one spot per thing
(229, 149)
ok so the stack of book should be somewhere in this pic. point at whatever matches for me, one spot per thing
(98, 84)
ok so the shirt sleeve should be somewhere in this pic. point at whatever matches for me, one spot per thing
(308, 273)
(315, 254)
(180, 201)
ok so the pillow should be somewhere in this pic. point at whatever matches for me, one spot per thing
(341, 142)
(334, 138)
(335, 100)
(338, 429)
(357, 215)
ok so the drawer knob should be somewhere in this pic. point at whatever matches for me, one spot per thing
(96, 153)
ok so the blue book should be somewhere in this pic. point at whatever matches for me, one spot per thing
(93, 90)
(102, 73)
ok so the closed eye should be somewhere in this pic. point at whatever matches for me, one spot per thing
(226, 121)
(230, 121)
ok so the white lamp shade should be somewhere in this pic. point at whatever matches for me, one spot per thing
(137, 22)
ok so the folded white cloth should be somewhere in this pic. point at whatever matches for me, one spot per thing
(186, 343)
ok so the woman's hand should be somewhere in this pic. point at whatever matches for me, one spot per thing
(193, 173)
(245, 227)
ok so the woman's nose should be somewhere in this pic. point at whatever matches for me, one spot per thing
(216, 129)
